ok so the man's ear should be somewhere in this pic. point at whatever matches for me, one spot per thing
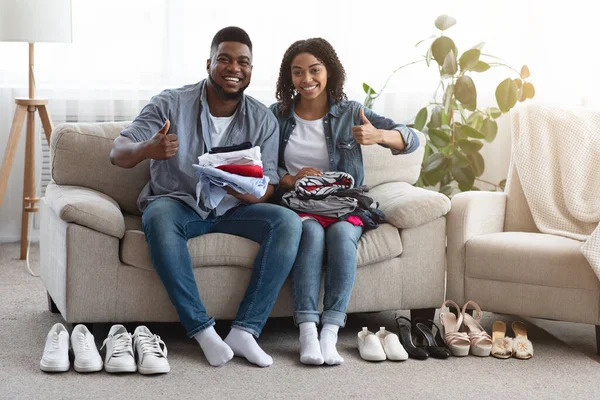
(208, 65)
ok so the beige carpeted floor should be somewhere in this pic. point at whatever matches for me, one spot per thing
(564, 365)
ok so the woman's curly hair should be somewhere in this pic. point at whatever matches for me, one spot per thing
(324, 52)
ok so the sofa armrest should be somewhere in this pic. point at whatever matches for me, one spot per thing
(86, 207)
(472, 214)
(406, 206)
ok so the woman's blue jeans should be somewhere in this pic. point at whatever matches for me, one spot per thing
(169, 223)
(339, 240)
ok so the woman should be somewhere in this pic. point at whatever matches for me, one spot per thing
(320, 130)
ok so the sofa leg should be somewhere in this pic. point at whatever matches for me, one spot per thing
(598, 339)
(52, 305)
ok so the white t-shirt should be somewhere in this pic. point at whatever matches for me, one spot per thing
(219, 126)
(306, 147)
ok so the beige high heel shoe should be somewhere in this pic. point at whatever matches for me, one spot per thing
(481, 342)
(458, 342)
(522, 347)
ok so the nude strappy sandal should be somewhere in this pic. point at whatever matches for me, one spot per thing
(481, 342)
(458, 342)
(502, 345)
(522, 347)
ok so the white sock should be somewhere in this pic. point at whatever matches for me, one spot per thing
(216, 351)
(244, 345)
(310, 350)
(328, 341)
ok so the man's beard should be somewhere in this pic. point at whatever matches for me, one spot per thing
(226, 95)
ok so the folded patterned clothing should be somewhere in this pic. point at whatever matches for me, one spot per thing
(371, 218)
(240, 157)
(210, 189)
(364, 201)
(254, 171)
(319, 187)
(330, 206)
(326, 221)
(229, 149)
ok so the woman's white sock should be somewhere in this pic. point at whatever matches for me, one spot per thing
(328, 343)
(216, 351)
(310, 349)
(244, 345)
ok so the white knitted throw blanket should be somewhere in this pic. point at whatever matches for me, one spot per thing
(556, 151)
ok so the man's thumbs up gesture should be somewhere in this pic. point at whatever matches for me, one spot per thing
(366, 133)
(163, 145)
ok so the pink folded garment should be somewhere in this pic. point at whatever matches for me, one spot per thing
(254, 171)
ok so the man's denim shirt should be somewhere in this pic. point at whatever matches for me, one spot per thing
(344, 153)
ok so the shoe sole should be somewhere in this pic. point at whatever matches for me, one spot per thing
(459, 351)
(54, 368)
(87, 368)
(116, 370)
(151, 371)
(481, 352)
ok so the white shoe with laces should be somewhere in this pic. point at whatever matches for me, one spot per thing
(119, 351)
(151, 352)
(87, 358)
(56, 350)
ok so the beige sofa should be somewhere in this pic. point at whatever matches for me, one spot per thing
(96, 266)
(498, 257)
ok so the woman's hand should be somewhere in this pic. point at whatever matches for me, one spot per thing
(289, 181)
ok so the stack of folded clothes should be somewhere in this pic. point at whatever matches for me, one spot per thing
(239, 167)
(332, 197)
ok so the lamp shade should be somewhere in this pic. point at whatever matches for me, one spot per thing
(35, 21)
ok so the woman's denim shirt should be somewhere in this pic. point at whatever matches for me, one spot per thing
(344, 153)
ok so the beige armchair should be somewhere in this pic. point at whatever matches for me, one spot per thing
(498, 257)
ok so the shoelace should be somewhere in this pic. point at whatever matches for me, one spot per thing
(83, 344)
(55, 344)
(121, 344)
(151, 345)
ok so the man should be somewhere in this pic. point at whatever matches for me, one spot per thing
(176, 127)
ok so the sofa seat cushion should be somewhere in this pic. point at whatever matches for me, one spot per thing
(530, 258)
(213, 249)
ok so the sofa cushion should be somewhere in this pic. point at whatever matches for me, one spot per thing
(214, 249)
(531, 258)
(406, 206)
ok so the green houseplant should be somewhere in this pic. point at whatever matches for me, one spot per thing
(452, 121)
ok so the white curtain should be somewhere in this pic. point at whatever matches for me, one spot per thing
(124, 51)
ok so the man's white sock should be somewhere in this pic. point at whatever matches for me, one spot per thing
(244, 345)
(310, 350)
(216, 351)
(328, 342)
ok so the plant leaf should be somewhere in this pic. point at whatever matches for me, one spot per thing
(420, 119)
(506, 95)
(525, 72)
(444, 22)
(489, 128)
(450, 67)
(428, 56)
(518, 82)
(448, 97)
(368, 89)
(477, 163)
(494, 112)
(427, 38)
(459, 159)
(464, 176)
(441, 47)
(434, 162)
(502, 184)
(475, 120)
(449, 190)
(481, 66)
(528, 90)
(438, 137)
(470, 146)
(464, 90)
(469, 59)
(436, 117)
(479, 46)
(472, 132)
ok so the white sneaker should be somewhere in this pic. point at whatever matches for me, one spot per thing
(119, 351)
(391, 345)
(87, 358)
(56, 350)
(369, 346)
(151, 352)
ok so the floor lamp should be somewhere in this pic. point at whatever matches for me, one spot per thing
(30, 21)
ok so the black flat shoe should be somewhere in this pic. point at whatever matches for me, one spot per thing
(434, 343)
(405, 336)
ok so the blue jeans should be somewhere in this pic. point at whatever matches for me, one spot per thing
(340, 240)
(169, 223)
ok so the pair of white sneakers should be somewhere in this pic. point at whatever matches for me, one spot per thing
(151, 351)
(380, 346)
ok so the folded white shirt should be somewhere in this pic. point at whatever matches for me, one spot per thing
(240, 157)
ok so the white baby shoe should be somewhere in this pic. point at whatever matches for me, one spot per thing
(56, 350)
(369, 346)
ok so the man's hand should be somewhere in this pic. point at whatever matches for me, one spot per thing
(366, 133)
(162, 146)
